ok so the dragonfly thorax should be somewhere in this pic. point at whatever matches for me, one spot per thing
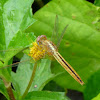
(47, 45)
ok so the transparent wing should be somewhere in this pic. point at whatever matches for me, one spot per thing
(56, 36)
(61, 36)
(55, 31)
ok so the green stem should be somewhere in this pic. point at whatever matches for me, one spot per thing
(9, 90)
(31, 80)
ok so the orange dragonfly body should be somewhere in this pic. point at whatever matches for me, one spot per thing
(48, 47)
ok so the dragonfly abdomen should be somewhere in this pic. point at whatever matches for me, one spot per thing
(68, 67)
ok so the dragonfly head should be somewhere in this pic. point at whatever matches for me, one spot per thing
(40, 39)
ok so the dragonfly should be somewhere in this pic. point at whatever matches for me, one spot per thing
(42, 46)
(46, 46)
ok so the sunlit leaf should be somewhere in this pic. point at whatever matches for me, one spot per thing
(97, 97)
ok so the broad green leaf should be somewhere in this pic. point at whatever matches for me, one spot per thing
(42, 76)
(93, 86)
(46, 95)
(97, 3)
(81, 43)
(97, 97)
(15, 18)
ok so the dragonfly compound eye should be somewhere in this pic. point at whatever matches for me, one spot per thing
(40, 39)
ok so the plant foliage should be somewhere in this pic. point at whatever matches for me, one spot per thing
(80, 46)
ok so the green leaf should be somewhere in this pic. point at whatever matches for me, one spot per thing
(45, 95)
(93, 86)
(81, 43)
(97, 97)
(52, 86)
(13, 23)
(15, 17)
(42, 76)
(97, 3)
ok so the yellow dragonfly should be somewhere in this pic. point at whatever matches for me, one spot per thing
(43, 46)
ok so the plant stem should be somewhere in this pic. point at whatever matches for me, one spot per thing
(31, 80)
(9, 90)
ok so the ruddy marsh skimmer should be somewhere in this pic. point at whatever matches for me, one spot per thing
(43, 46)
